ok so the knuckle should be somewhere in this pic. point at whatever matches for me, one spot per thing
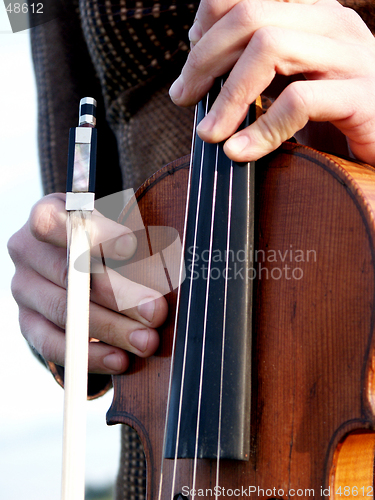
(24, 321)
(269, 133)
(296, 109)
(15, 247)
(38, 337)
(41, 221)
(109, 333)
(249, 13)
(233, 94)
(44, 217)
(350, 21)
(57, 309)
(17, 287)
(266, 40)
(299, 98)
(194, 60)
(208, 8)
(46, 347)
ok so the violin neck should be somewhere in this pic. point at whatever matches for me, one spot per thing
(210, 392)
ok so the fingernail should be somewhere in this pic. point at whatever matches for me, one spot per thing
(207, 124)
(238, 144)
(146, 309)
(195, 33)
(139, 339)
(126, 245)
(113, 362)
(176, 89)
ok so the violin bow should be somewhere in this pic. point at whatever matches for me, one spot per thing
(79, 204)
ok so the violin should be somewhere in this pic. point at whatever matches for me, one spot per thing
(263, 384)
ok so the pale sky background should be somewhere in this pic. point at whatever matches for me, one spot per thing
(31, 402)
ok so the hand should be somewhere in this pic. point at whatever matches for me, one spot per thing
(38, 251)
(325, 50)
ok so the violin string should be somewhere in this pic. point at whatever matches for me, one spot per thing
(188, 312)
(224, 327)
(205, 319)
(177, 304)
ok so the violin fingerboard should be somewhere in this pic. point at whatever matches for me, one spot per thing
(210, 392)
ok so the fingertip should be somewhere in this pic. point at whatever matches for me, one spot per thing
(116, 363)
(105, 359)
(145, 341)
(195, 32)
(205, 127)
(154, 341)
(125, 246)
(153, 310)
(176, 90)
(146, 308)
(161, 311)
(111, 245)
(236, 147)
(244, 148)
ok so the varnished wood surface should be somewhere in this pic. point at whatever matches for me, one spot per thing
(312, 377)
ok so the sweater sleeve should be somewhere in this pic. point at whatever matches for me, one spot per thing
(64, 74)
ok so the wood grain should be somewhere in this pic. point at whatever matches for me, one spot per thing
(313, 320)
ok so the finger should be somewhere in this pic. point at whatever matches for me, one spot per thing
(121, 331)
(136, 301)
(108, 288)
(208, 13)
(49, 341)
(275, 51)
(223, 44)
(211, 11)
(108, 326)
(47, 260)
(48, 221)
(299, 102)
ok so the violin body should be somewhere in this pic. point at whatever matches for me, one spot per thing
(312, 369)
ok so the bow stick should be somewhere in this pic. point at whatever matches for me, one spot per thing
(79, 204)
